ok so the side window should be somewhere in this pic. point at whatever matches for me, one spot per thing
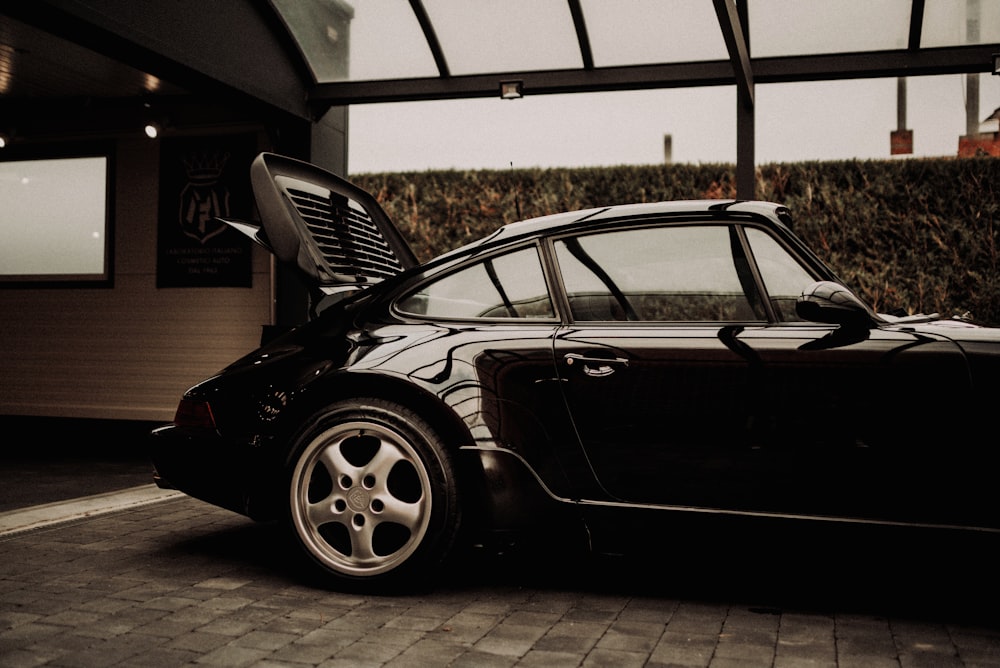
(784, 278)
(506, 286)
(677, 273)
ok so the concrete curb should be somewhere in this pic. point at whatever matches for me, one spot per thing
(36, 517)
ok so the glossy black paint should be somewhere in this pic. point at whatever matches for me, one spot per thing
(559, 421)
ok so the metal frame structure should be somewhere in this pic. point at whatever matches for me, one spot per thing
(206, 48)
(740, 70)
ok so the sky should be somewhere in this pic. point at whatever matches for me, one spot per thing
(832, 120)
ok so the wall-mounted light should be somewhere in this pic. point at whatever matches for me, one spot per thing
(511, 90)
(152, 129)
(4, 140)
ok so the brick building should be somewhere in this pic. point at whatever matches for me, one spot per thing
(986, 142)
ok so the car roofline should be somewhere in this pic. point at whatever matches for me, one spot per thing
(566, 221)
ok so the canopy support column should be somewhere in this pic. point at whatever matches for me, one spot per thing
(733, 22)
(746, 174)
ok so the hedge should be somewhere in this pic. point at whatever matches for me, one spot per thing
(913, 235)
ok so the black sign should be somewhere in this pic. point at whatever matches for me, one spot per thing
(201, 179)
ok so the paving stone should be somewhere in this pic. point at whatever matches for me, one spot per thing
(24, 658)
(469, 626)
(266, 640)
(584, 615)
(27, 634)
(100, 656)
(568, 636)
(392, 636)
(509, 640)
(684, 649)
(607, 658)
(199, 641)
(552, 659)
(564, 644)
(427, 652)
(753, 653)
(365, 653)
(11, 619)
(476, 659)
(414, 623)
(175, 592)
(312, 654)
(232, 657)
(631, 636)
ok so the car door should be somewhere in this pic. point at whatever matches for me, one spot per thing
(853, 421)
(691, 385)
(654, 385)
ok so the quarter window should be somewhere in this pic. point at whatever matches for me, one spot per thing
(505, 286)
(784, 278)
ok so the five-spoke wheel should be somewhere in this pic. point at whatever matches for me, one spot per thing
(372, 493)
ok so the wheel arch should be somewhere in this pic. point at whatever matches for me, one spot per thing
(447, 424)
(351, 385)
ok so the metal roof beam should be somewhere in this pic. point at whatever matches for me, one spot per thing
(916, 24)
(582, 37)
(734, 35)
(427, 26)
(535, 83)
(873, 64)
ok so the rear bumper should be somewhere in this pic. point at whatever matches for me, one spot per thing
(203, 465)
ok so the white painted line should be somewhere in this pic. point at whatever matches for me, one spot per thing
(16, 521)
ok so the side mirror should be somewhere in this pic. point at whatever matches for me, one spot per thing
(826, 301)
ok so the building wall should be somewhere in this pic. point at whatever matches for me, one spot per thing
(979, 145)
(127, 352)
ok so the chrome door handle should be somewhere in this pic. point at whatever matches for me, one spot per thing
(595, 367)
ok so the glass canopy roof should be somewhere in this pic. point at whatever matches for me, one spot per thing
(381, 40)
(372, 51)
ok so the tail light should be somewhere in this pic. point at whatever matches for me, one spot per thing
(194, 413)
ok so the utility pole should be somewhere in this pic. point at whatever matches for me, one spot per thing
(901, 139)
(972, 119)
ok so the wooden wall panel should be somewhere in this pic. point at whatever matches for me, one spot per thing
(127, 352)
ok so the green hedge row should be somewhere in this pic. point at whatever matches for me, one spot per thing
(914, 235)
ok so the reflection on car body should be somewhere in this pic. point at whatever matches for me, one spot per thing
(654, 359)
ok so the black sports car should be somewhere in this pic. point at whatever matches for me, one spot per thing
(576, 372)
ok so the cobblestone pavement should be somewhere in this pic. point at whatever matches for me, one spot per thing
(179, 582)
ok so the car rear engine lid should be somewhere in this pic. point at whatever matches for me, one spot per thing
(335, 233)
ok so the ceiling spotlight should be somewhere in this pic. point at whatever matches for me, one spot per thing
(4, 140)
(152, 120)
(511, 90)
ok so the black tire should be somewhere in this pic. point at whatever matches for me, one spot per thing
(372, 495)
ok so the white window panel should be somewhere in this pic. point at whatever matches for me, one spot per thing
(488, 36)
(644, 32)
(803, 27)
(958, 22)
(359, 40)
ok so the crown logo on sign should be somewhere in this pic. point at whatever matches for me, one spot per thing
(204, 167)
